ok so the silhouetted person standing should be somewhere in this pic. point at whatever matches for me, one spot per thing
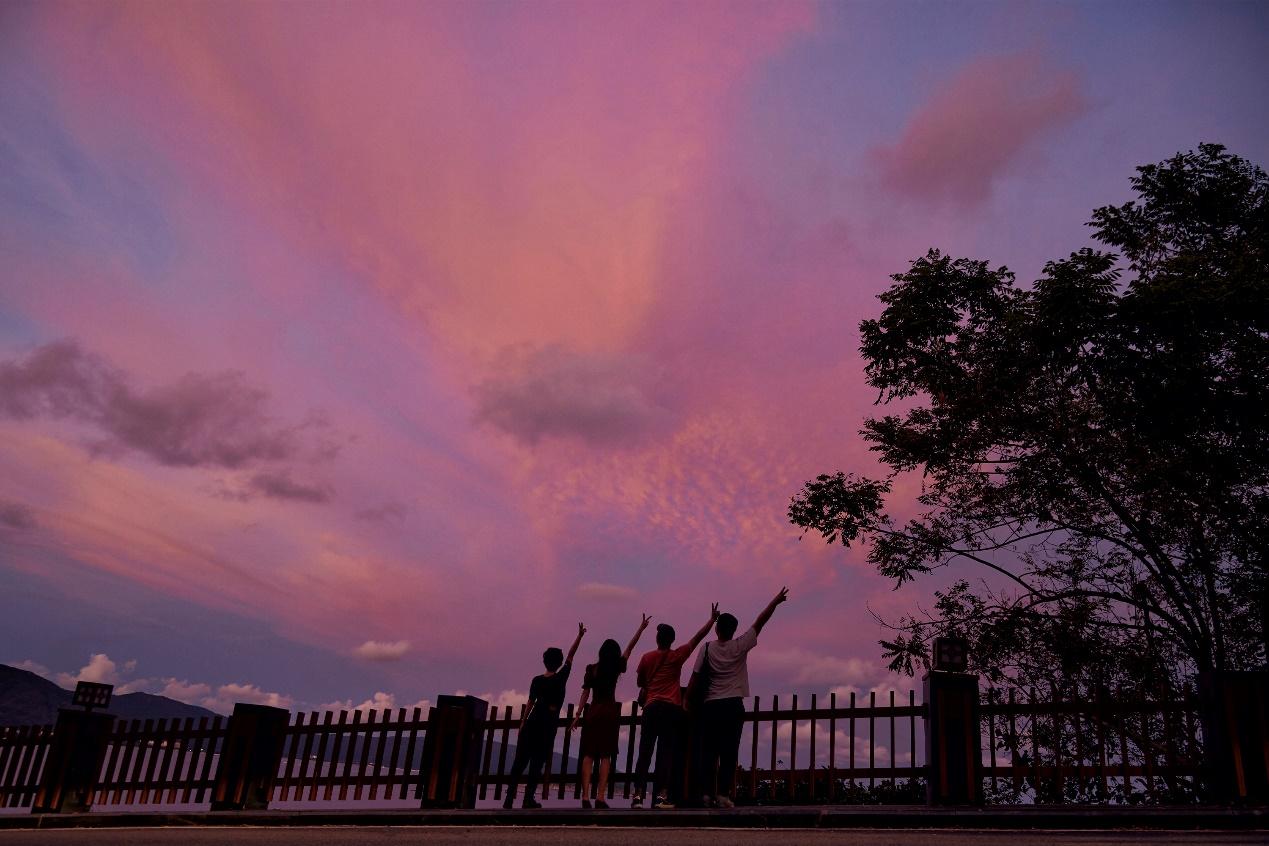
(722, 716)
(659, 673)
(603, 718)
(536, 739)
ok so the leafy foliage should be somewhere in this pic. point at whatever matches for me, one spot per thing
(1096, 443)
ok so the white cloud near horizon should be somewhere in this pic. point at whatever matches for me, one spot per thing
(382, 650)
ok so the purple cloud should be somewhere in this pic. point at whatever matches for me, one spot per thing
(975, 126)
(202, 420)
(388, 512)
(14, 515)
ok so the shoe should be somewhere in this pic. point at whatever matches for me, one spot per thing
(585, 804)
(724, 802)
(663, 804)
(601, 805)
(531, 804)
(707, 801)
(636, 802)
(509, 802)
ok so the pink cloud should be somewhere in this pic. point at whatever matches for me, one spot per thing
(975, 127)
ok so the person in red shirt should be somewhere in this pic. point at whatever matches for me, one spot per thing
(658, 675)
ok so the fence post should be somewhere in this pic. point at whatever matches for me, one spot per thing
(250, 757)
(1234, 712)
(73, 762)
(451, 752)
(953, 739)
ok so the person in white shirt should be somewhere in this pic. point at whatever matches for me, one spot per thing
(722, 716)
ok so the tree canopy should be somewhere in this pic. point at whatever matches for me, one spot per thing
(1094, 446)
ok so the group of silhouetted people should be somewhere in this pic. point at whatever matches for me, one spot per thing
(713, 702)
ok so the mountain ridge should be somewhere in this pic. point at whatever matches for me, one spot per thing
(27, 698)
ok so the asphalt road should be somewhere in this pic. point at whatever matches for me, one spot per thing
(574, 836)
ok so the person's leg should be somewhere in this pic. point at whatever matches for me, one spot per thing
(731, 725)
(533, 777)
(588, 764)
(518, 764)
(601, 786)
(647, 740)
(708, 726)
(667, 736)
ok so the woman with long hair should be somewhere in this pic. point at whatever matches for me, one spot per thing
(603, 714)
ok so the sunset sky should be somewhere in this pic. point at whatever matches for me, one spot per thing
(356, 351)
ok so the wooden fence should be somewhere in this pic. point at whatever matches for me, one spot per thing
(22, 753)
(812, 749)
(372, 755)
(1094, 748)
(169, 761)
(829, 738)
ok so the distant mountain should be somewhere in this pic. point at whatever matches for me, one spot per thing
(29, 699)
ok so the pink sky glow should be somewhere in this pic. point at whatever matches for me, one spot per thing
(360, 350)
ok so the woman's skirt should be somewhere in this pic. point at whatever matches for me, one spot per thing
(600, 729)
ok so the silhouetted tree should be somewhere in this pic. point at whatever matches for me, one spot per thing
(1097, 444)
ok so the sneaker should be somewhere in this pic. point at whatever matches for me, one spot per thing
(663, 804)
(585, 804)
(724, 802)
(601, 805)
(637, 801)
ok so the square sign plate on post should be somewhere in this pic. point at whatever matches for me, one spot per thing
(92, 695)
(951, 654)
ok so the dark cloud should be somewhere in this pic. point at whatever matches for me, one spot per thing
(201, 420)
(388, 512)
(280, 485)
(554, 392)
(974, 127)
(16, 516)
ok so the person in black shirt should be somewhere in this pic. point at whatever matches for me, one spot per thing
(536, 738)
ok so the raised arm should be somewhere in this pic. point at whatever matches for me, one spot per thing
(700, 635)
(625, 656)
(572, 650)
(770, 609)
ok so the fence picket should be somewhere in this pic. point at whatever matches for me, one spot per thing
(832, 746)
(872, 739)
(813, 762)
(852, 740)
(793, 750)
(332, 772)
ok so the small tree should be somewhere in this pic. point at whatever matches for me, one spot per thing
(1099, 450)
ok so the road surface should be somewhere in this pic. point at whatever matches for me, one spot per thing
(608, 836)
